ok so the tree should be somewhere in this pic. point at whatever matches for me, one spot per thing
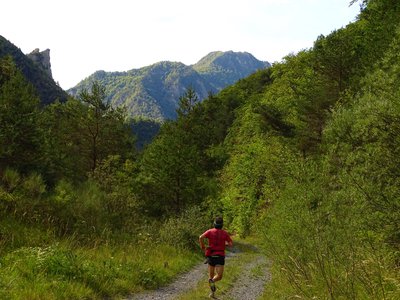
(337, 58)
(171, 175)
(20, 135)
(187, 102)
(82, 133)
(64, 142)
(103, 127)
(95, 120)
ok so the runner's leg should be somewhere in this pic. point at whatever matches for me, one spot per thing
(211, 274)
(211, 271)
(220, 271)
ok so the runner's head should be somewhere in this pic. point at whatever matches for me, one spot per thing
(218, 223)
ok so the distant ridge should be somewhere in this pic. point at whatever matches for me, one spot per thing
(221, 69)
(153, 91)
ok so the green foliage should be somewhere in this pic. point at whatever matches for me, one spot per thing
(64, 192)
(79, 136)
(337, 59)
(187, 103)
(34, 186)
(20, 137)
(145, 130)
(245, 174)
(15, 234)
(20, 195)
(65, 145)
(333, 229)
(10, 180)
(378, 21)
(183, 231)
(117, 180)
(103, 126)
(319, 234)
(171, 172)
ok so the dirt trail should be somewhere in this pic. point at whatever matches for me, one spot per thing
(182, 284)
(249, 285)
(251, 282)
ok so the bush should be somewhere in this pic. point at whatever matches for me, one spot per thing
(20, 195)
(88, 209)
(183, 231)
(33, 186)
(64, 192)
(10, 180)
(115, 178)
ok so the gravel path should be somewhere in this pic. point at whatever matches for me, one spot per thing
(249, 285)
(183, 284)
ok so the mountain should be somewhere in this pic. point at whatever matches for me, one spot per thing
(221, 69)
(36, 69)
(154, 91)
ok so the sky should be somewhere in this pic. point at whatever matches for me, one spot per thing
(118, 35)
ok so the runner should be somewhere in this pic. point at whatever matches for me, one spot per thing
(215, 252)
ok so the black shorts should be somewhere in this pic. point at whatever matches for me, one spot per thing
(216, 260)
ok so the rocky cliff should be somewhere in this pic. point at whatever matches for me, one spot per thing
(42, 60)
(44, 84)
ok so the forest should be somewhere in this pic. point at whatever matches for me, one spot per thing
(303, 156)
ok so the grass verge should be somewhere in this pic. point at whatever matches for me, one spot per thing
(35, 268)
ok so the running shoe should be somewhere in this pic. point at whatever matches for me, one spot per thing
(212, 285)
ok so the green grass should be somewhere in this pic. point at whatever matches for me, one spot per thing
(36, 265)
(61, 272)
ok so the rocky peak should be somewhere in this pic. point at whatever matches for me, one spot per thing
(42, 59)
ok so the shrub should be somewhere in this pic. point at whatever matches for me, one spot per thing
(88, 210)
(183, 231)
(11, 180)
(33, 186)
(64, 192)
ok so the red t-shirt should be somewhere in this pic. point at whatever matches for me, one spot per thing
(216, 241)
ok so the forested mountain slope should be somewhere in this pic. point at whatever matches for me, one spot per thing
(153, 91)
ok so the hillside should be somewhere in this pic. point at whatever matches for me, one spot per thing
(39, 77)
(154, 91)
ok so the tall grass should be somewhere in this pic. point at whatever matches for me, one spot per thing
(36, 263)
(61, 270)
(80, 242)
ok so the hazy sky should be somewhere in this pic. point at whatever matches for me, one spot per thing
(118, 35)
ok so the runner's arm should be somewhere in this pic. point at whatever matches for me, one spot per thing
(201, 241)
(229, 241)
